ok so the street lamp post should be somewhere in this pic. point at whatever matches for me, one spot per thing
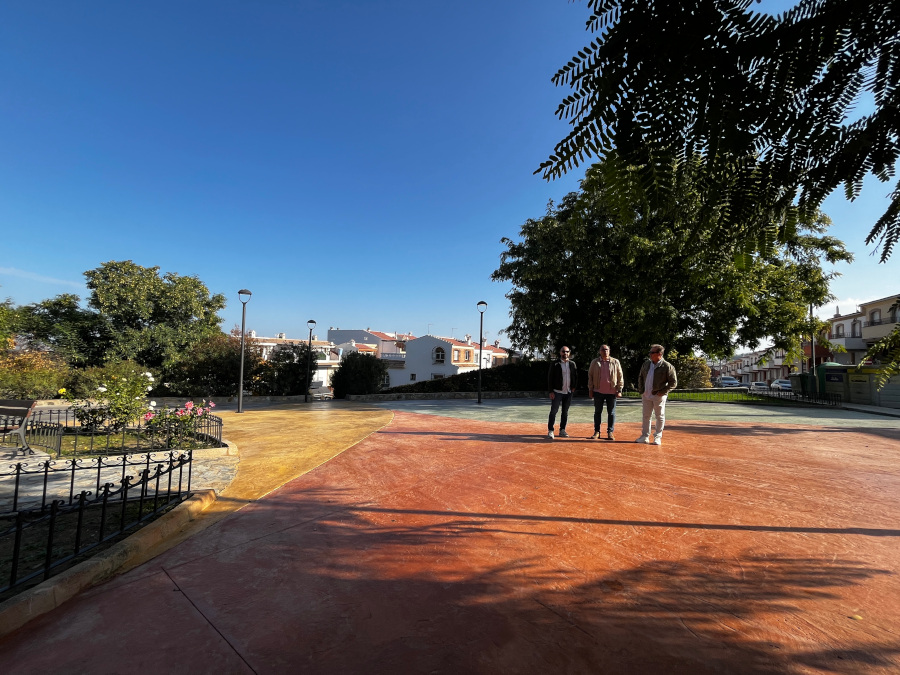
(481, 307)
(241, 294)
(311, 324)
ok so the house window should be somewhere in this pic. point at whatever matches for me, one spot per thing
(412, 377)
(456, 355)
(875, 317)
(437, 376)
(438, 354)
(839, 330)
(854, 329)
(892, 315)
(386, 382)
(468, 355)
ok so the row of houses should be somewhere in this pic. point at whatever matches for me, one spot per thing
(409, 358)
(855, 332)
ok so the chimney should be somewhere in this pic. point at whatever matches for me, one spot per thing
(496, 343)
(252, 333)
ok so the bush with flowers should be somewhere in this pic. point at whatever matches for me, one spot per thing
(176, 428)
(120, 400)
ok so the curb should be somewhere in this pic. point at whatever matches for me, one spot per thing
(50, 594)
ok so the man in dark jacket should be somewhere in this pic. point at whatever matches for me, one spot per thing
(562, 379)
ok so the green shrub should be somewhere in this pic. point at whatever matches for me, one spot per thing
(358, 374)
(31, 375)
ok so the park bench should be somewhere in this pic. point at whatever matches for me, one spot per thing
(14, 417)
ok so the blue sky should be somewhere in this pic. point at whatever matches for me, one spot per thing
(352, 162)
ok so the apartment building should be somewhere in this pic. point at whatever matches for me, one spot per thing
(858, 330)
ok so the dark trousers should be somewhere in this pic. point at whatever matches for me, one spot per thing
(566, 401)
(610, 401)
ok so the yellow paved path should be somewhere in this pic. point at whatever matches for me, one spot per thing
(278, 443)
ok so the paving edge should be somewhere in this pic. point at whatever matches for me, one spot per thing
(50, 594)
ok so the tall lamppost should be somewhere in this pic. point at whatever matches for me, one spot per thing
(311, 324)
(481, 307)
(241, 294)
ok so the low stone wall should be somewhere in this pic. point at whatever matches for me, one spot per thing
(445, 395)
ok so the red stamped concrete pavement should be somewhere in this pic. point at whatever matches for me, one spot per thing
(442, 545)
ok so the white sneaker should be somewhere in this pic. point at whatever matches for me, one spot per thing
(643, 439)
(657, 440)
(550, 435)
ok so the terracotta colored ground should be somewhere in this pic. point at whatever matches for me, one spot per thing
(457, 546)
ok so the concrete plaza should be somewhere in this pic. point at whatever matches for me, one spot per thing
(449, 537)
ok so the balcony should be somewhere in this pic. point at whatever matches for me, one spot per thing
(848, 342)
(875, 330)
(393, 356)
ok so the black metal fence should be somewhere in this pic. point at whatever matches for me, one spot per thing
(55, 531)
(58, 432)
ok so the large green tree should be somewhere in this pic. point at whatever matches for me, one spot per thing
(154, 320)
(79, 336)
(768, 102)
(601, 268)
(214, 366)
(288, 371)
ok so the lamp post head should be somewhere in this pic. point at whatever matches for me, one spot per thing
(311, 323)
(482, 306)
(242, 293)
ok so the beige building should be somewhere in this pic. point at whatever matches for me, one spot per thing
(858, 330)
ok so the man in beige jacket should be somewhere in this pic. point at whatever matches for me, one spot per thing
(605, 382)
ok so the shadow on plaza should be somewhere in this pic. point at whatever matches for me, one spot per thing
(369, 589)
(775, 430)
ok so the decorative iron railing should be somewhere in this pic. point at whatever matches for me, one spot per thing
(36, 541)
(74, 439)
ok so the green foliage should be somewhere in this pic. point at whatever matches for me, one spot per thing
(693, 372)
(83, 382)
(768, 103)
(80, 336)
(285, 373)
(118, 400)
(214, 366)
(519, 376)
(606, 267)
(8, 323)
(153, 320)
(30, 374)
(358, 374)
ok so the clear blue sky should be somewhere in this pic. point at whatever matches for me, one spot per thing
(352, 162)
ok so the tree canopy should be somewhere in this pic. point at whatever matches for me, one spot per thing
(153, 319)
(78, 335)
(598, 268)
(767, 102)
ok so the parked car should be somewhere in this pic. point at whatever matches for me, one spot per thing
(759, 386)
(728, 381)
(783, 385)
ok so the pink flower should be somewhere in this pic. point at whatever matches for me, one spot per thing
(149, 416)
(212, 405)
(188, 405)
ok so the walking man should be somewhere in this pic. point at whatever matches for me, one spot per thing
(656, 380)
(561, 381)
(605, 382)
